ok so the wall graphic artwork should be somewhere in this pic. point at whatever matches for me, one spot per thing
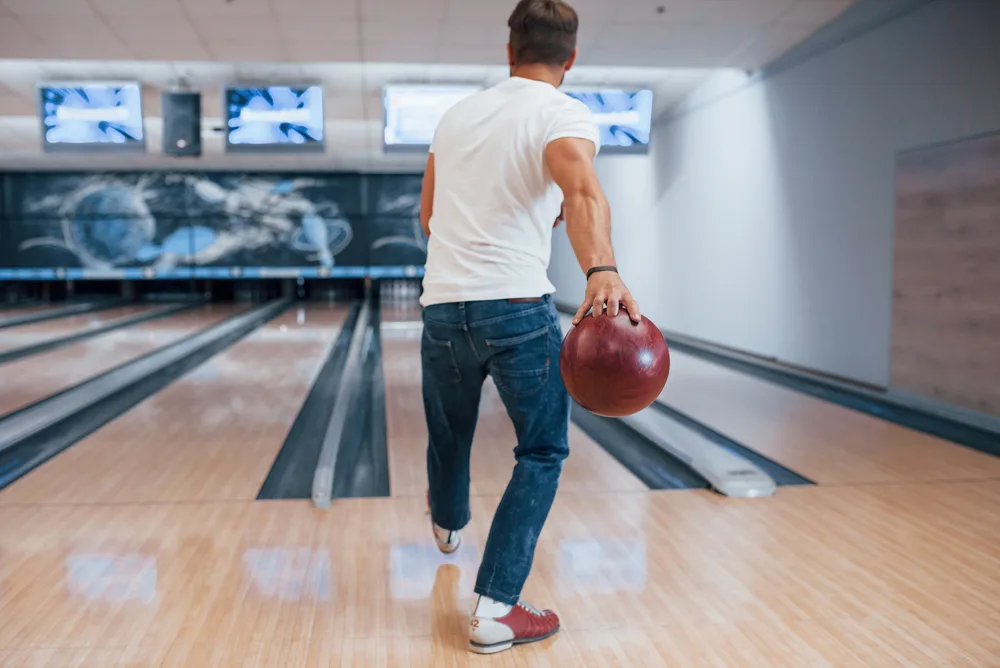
(161, 224)
(397, 237)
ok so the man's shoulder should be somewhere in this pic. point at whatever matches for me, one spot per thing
(462, 107)
(573, 104)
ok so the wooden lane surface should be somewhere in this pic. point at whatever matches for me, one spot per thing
(25, 335)
(211, 435)
(896, 575)
(820, 440)
(30, 379)
(588, 467)
(15, 310)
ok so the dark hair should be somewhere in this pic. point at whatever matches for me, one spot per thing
(543, 32)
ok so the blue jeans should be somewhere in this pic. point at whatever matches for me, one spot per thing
(517, 345)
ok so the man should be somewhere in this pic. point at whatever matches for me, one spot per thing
(504, 164)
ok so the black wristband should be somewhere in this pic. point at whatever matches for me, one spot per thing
(594, 270)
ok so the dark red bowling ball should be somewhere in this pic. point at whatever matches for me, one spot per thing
(612, 366)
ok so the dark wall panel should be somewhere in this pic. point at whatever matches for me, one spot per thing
(97, 222)
(271, 220)
(394, 203)
(175, 223)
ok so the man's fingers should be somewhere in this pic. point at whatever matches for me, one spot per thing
(613, 305)
(632, 307)
(580, 312)
(598, 305)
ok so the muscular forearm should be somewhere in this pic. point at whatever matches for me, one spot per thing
(588, 224)
(425, 222)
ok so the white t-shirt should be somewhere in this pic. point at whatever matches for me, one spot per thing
(494, 199)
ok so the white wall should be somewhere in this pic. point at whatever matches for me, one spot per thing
(764, 220)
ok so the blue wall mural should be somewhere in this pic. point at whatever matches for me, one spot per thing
(218, 225)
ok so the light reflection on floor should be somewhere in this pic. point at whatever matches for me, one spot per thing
(602, 566)
(110, 578)
(288, 574)
(414, 566)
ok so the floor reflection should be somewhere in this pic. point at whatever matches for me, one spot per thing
(602, 566)
(415, 566)
(288, 574)
(110, 578)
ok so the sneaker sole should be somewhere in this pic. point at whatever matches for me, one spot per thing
(443, 547)
(447, 549)
(507, 644)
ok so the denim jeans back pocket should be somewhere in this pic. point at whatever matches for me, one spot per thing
(438, 360)
(520, 364)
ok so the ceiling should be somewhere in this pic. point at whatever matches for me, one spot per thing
(354, 47)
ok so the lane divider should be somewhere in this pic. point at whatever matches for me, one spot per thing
(291, 474)
(347, 392)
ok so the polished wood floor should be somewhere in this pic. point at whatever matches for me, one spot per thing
(15, 310)
(20, 308)
(864, 576)
(124, 571)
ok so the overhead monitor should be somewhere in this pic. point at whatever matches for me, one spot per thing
(623, 117)
(88, 116)
(412, 113)
(274, 118)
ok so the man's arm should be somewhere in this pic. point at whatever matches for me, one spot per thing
(588, 224)
(427, 196)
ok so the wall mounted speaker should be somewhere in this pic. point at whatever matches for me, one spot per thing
(181, 123)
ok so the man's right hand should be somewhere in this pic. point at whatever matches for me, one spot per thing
(607, 288)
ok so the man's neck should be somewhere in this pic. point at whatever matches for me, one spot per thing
(544, 73)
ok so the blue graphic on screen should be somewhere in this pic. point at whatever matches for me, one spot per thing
(623, 117)
(275, 116)
(92, 114)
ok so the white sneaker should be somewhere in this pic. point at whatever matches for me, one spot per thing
(447, 541)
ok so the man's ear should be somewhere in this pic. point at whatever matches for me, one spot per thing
(572, 60)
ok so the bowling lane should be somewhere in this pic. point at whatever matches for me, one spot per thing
(32, 333)
(13, 310)
(588, 469)
(820, 440)
(211, 435)
(30, 379)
